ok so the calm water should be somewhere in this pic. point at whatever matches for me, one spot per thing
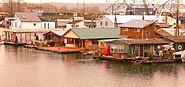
(22, 67)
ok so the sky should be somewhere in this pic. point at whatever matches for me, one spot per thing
(91, 1)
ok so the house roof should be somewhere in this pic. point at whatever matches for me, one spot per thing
(28, 17)
(137, 23)
(58, 32)
(176, 38)
(75, 22)
(93, 33)
(125, 18)
(141, 41)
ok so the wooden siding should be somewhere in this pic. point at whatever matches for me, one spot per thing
(70, 34)
(140, 35)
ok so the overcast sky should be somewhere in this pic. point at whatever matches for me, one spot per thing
(91, 1)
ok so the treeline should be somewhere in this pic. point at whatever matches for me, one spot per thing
(12, 6)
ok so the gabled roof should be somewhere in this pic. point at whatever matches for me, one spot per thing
(137, 24)
(93, 33)
(154, 41)
(58, 32)
(125, 18)
(28, 17)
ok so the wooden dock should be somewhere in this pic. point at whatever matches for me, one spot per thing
(60, 49)
(140, 61)
(13, 43)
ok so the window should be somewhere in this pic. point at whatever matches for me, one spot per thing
(44, 25)
(174, 23)
(48, 25)
(77, 25)
(70, 41)
(137, 30)
(15, 24)
(106, 23)
(101, 23)
(124, 29)
(23, 16)
(34, 24)
(94, 42)
(117, 48)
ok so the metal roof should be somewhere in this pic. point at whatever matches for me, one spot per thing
(137, 24)
(154, 41)
(95, 33)
(59, 32)
(125, 18)
(28, 17)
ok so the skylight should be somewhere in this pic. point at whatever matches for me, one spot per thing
(23, 17)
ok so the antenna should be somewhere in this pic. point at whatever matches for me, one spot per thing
(84, 7)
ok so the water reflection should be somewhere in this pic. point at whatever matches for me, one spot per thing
(22, 67)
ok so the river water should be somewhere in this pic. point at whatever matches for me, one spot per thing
(23, 67)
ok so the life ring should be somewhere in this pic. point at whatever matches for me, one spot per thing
(179, 47)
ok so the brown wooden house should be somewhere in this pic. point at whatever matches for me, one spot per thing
(138, 29)
(55, 37)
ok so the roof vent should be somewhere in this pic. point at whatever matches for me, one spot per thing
(23, 17)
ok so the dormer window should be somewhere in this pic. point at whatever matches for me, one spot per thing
(23, 17)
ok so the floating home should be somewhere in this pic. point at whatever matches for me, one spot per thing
(132, 48)
(55, 37)
(88, 37)
(139, 29)
(27, 27)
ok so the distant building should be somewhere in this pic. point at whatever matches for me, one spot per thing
(139, 11)
(90, 23)
(76, 24)
(62, 22)
(48, 23)
(38, 10)
(111, 21)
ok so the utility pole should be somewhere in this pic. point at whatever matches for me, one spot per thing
(84, 7)
(177, 19)
(77, 10)
(11, 9)
(18, 5)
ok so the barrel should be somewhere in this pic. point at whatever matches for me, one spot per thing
(106, 50)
